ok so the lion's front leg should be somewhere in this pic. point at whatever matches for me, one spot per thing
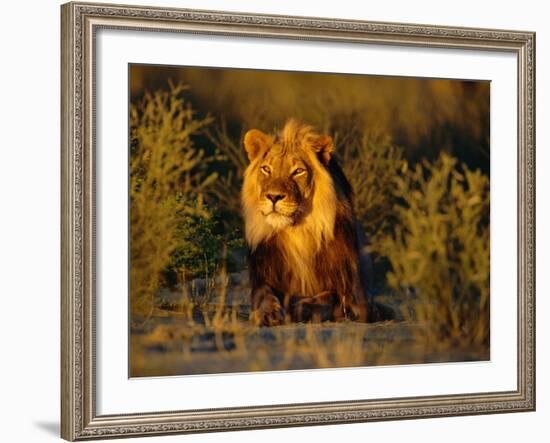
(266, 308)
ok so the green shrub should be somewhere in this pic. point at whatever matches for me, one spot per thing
(439, 250)
(201, 240)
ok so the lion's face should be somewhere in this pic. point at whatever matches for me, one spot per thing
(287, 183)
(285, 187)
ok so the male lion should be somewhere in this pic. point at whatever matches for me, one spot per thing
(304, 247)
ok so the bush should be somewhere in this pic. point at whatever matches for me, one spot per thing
(231, 164)
(439, 250)
(201, 240)
(167, 176)
(370, 166)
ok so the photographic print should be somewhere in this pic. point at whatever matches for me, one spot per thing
(292, 220)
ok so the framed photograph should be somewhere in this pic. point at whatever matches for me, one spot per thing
(281, 221)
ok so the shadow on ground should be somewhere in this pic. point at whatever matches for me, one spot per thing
(50, 427)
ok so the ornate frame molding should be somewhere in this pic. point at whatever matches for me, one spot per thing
(79, 23)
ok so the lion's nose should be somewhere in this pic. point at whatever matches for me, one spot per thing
(275, 197)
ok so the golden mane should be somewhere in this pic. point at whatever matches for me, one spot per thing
(304, 259)
(299, 242)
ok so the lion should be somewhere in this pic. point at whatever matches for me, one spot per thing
(304, 246)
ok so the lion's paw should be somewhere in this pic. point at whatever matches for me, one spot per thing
(269, 313)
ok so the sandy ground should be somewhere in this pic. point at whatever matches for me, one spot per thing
(213, 335)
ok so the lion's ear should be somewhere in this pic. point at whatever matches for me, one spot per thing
(324, 146)
(255, 141)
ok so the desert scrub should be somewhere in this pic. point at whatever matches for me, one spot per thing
(167, 176)
(370, 164)
(439, 250)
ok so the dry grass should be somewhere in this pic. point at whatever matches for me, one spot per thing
(216, 337)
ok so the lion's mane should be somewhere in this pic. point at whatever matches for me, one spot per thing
(317, 257)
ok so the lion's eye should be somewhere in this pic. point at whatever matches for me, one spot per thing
(266, 170)
(298, 171)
